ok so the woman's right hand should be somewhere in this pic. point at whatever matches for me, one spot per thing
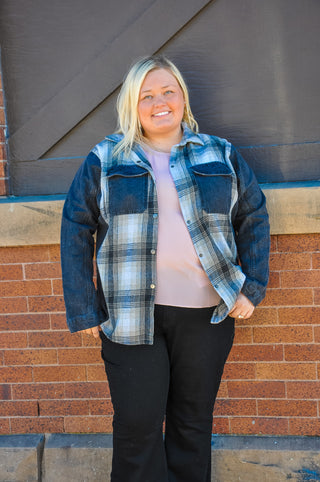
(94, 331)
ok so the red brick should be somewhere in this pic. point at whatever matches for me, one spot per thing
(3, 187)
(1, 357)
(23, 391)
(16, 409)
(223, 390)
(54, 339)
(57, 286)
(286, 371)
(254, 389)
(43, 271)
(287, 408)
(79, 356)
(11, 272)
(303, 390)
(37, 425)
(285, 261)
(235, 407)
(302, 352)
(274, 280)
(54, 253)
(273, 244)
(58, 321)
(16, 374)
(316, 261)
(261, 316)
(303, 278)
(236, 371)
(220, 425)
(283, 334)
(2, 117)
(297, 315)
(256, 352)
(59, 373)
(30, 357)
(100, 407)
(46, 303)
(13, 305)
(317, 297)
(5, 391)
(87, 390)
(283, 297)
(299, 243)
(24, 254)
(13, 340)
(63, 407)
(96, 373)
(88, 424)
(265, 426)
(4, 426)
(3, 168)
(242, 335)
(89, 340)
(24, 322)
(25, 288)
(304, 426)
(3, 152)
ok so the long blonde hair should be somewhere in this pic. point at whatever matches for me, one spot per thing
(127, 102)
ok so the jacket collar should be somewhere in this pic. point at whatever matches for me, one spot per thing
(188, 136)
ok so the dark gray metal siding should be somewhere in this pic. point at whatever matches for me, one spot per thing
(252, 68)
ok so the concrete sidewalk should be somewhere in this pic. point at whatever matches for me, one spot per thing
(87, 458)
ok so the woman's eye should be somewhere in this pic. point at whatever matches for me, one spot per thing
(168, 92)
(147, 97)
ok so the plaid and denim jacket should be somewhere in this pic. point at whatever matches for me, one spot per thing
(221, 203)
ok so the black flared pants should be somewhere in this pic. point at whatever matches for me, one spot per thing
(176, 379)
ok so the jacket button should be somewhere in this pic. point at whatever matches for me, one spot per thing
(153, 251)
(155, 215)
(152, 286)
(200, 255)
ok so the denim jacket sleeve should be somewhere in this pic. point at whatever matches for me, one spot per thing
(79, 223)
(252, 233)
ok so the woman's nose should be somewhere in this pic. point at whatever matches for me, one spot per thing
(159, 99)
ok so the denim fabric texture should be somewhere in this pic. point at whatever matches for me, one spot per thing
(222, 205)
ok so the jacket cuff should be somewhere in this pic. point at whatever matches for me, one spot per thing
(253, 291)
(84, 322)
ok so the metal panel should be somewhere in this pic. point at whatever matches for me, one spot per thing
(101, 76)
(252, 69)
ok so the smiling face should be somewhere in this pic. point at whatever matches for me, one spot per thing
(160, 105)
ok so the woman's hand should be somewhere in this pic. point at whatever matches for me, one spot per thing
(243, 308)
(92, 331)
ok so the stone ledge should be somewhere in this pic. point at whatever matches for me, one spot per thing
(20, 457)
(87, 457)
(294, 208)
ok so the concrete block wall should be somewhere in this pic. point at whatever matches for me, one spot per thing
(54, 382)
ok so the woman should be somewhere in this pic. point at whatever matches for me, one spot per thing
(176, 213)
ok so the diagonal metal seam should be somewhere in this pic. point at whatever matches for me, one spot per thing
(101, 77)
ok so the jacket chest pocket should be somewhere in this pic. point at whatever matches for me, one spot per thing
(214, 181)
(127, 189)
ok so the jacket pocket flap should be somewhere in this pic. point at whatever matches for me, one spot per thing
(212, 169)
(126, 171)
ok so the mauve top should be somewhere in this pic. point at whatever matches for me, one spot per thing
(181, 280)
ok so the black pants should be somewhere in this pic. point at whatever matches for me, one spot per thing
(176, 378)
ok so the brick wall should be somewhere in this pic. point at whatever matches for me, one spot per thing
(52, 381)
(3, 158)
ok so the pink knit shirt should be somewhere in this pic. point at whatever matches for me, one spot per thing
(181, 280)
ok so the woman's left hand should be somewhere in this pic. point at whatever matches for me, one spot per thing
(243, 308)
(92, 331)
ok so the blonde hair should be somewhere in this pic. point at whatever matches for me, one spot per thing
(127, 102)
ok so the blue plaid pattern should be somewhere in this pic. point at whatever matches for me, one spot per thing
(222, 205)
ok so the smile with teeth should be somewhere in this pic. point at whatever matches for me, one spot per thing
(161, 113)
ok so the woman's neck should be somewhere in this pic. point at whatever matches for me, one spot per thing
(165, 143)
